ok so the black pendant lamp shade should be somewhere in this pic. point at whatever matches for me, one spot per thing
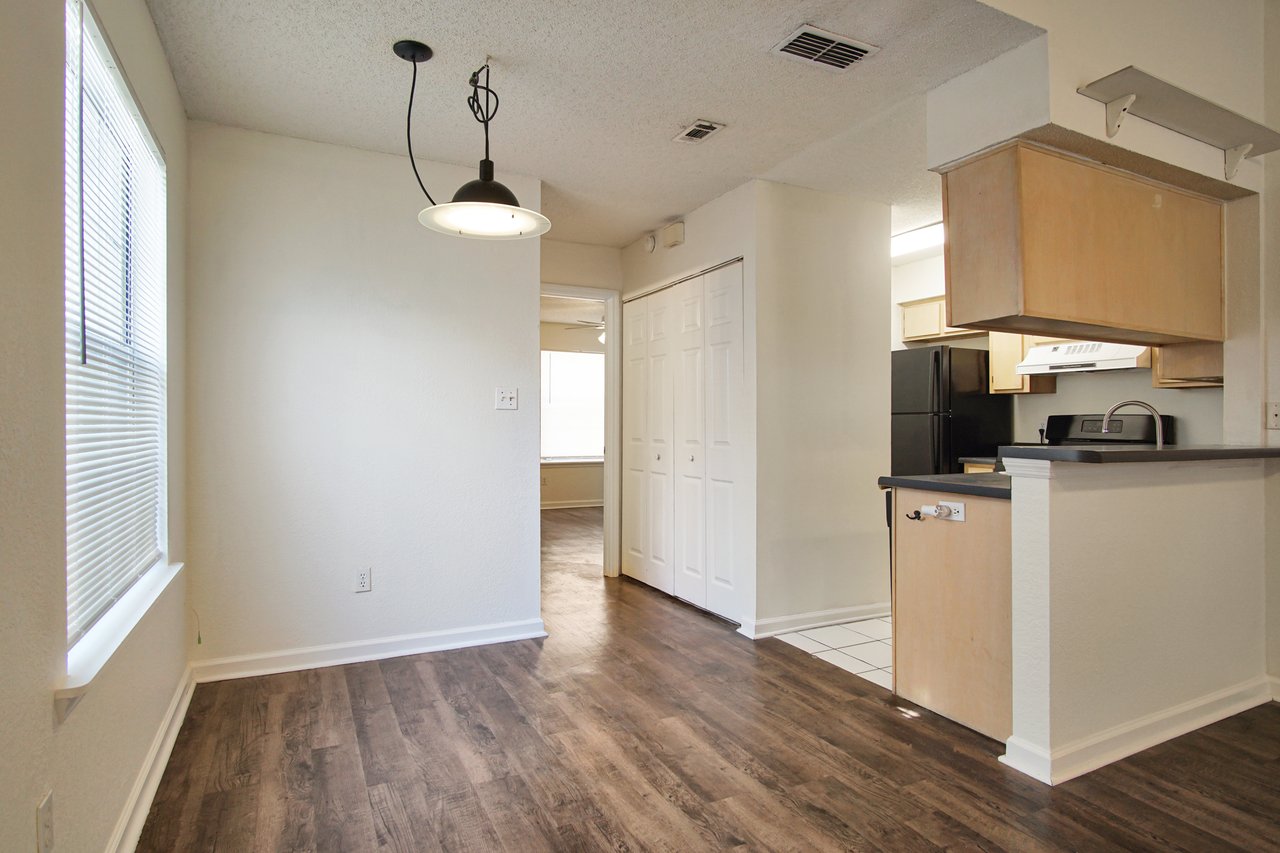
(484, 208)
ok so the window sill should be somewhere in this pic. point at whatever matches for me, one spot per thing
(572, 460)
(91, 652)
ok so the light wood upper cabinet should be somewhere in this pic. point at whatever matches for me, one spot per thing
(1196, 365)
(1006, 350)
(1043, 243)
(925, 320)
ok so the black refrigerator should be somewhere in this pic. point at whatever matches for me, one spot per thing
(942, 410)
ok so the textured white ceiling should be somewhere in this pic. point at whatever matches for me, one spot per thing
(593, 92)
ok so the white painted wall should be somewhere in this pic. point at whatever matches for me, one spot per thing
(93, 759)
(816, 290)
(1127, 629)
(823, 401)
(915, 280)
(717, 232)
(581, 264)
(920, 279)
(346, 359)
(1271, 328)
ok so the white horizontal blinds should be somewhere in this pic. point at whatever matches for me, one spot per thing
(115, 333)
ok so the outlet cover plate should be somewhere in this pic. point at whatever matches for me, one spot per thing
(364, 580)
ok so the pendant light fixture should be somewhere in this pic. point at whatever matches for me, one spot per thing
(484, 208)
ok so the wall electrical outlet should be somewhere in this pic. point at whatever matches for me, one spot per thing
(1273, 415)
(364, 580)
(44, 824)
(506, 398)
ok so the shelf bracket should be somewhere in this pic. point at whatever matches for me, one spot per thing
(1116, 112)
(1232, 157)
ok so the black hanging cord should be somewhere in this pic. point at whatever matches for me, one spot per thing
(408, 133)
(484, 112)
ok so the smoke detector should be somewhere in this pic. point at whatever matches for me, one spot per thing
(699, 130)
(825, 49)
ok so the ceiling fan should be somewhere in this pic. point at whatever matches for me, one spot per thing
(586, 324)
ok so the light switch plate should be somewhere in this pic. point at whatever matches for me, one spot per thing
(1273, 415)
(506, 398)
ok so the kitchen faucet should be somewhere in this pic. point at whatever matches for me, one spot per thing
(1106, 419)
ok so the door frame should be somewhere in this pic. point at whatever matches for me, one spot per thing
(612, 300)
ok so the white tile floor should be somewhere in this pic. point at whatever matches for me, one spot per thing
(864, 648)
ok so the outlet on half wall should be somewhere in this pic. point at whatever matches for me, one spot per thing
(364, 580)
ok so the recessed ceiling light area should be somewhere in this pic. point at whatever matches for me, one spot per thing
(591, 102)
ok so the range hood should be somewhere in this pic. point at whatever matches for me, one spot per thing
(1083, 356)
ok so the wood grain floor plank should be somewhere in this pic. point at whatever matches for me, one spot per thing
(641, 723)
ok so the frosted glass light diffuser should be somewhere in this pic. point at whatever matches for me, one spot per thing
(484, 220)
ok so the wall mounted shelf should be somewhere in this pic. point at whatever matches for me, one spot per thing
(1133, 91)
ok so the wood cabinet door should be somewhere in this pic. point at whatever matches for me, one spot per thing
(952, 610)
(922, 320)
(1006, 350)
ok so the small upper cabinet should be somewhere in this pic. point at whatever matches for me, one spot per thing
(926, 320)
(1187, 366)
(1007, 350)
(1043, 243)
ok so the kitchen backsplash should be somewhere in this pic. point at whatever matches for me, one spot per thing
(1198, 410)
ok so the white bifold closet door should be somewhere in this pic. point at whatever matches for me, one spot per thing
(686, 441)
(635, 440)
(690, 428)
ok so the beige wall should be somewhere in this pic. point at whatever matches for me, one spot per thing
(1198, 410)
(816, 290)
(92, 760)
(567, 484)
(581, 265)
(346, 410)
(823, 401)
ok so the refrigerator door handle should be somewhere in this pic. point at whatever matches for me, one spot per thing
(934, 396)
(933, 445)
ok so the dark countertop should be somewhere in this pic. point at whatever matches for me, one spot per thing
(979, 485)
(978, 460)
(1137, 452)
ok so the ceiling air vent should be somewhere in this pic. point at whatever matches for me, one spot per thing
(832, 52)
(699, 131)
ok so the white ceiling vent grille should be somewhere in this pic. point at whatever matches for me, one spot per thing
(826, 49)
(699, 131)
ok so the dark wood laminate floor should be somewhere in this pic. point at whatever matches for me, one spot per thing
(640, 724)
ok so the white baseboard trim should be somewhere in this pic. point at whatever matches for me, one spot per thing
(569, 504)
(289, 660)
(761, 628)
(129, 826)
(1113, 744)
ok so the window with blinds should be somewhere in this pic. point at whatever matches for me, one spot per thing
(115, 332)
